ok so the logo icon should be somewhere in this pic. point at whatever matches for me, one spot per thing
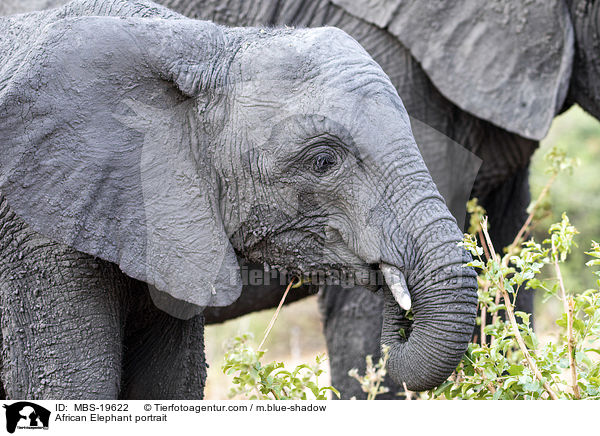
(26, 415)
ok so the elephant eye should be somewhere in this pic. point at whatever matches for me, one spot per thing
(323, 162)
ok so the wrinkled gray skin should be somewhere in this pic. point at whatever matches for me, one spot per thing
(502, 132)
(501, 185)
(289, 147)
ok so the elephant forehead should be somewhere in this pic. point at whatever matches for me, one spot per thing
(298, 54)
(363, 119)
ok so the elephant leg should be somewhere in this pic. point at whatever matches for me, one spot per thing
(352, 327)
(164, 356)
(62, 316)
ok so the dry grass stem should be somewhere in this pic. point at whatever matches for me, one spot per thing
(276, 314)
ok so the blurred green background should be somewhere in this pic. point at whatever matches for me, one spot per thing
(297, 336)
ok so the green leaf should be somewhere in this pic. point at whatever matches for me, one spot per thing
(516, 370)
(578, 326)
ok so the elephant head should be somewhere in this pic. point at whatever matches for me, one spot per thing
(168, 146)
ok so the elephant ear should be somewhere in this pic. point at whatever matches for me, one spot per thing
(103, 149)
(505, 62)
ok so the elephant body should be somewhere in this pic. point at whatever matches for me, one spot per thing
(127, 195)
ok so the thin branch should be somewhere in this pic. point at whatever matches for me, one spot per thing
(483, 307)
(482, 326)
(490, 386)
(496, 313)
(488, 242)
(484, 315)
(513, 321)
(485, 249)
(534, 225)
(525, 226)
(568, 304)
(523, 233)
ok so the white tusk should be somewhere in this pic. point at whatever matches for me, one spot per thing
(397, 283)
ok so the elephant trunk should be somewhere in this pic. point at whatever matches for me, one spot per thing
(443, 299)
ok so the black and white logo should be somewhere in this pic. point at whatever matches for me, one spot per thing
(26, 415)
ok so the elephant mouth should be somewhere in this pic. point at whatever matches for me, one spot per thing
(369, 276)
(282, 252)
(344, 276)
(310, 256)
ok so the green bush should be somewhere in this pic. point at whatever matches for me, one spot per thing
(254, 380)
(513, 364)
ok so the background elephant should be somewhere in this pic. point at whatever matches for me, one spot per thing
(141, 155)
(490, 77)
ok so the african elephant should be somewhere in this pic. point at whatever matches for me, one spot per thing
(144, 151)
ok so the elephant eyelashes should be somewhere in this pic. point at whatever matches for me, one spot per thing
(323, 162)
(323, 157)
